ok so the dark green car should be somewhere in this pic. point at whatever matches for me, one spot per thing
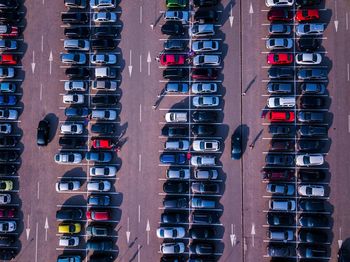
(176, 3)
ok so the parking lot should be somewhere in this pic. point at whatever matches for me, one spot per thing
(137, 194)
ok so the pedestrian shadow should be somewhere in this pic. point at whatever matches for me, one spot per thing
(249, 85)
(135, 254)
(256, 139)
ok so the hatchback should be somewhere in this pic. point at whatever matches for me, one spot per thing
(280, 116)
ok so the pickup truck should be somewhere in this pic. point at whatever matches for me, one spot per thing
(106, 72)
(206, 145)
(175, 117)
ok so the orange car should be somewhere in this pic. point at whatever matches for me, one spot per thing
(169, 60)
(8, 60)
(307, 15)
(280, 116)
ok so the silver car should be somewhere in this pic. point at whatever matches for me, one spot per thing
(104, 17)
(310, 29)
(75, 85)
(209, 60)
(103, 171)
(206, 174)
(279, 43)
(171, 232)
(103, 59)
(172, 248)
(205, 101)
(107, 114)
(203, 160)
(279, 3)
(206, 145)
(99, 186)
(309, 160)
(311, 190)
(199, 30)
(68, 158)
(68, 241)
(104, 85)
(76, 44)
(182, 173)
(73, 99)
(73, 58)
(205, 46)
(308, 58)
(72, 129)
(102, 4)
(204, 88)
(10, 114)
(72, 185)
(5, 199)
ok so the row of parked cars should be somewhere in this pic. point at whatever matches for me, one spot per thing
(297, 112)
(91, 95)
(10, 19)
(192, 187)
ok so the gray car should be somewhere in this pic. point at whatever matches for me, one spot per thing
(205, 46)
(282, 205)
(309, 116)
(73, 58)
(313, 88)
(97, 231)
(279, 43)
(76, 44)
(76, 85)
(279, 88)
(204, 88)
(280, 189)
(280, 29)
(103, 59)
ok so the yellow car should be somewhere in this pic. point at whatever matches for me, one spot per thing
(6, 185)
(69, 228)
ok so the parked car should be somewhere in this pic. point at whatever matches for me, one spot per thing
(281, 145)
(71, 142)
(99, 156)
(206, 174)
(173, 87)
(205, 188)
(176, 3)
(76, 112)
(281, 250)
(97, 231)
(309, 159)
(313, 221)
(173, 218)
(98, 214)
(173, 158)
(172, 59)
(203, 130)
(102, 245)
(105, 171)
(172, 29)
(311, 175)
(309, 145)
(284, 235)
(171, 232)
(311, 117)
(103, 59)
(78, 85)
(68, 158)
(281, 102)
(175, 187)
(69, 214)
(280, 116)
(206, 60)
(68, 185)
(42, 135)
(280, 29)
(107, 114)
(204, 116)
(205, 218)
(99, 200)
(199, 30)
(279, 43)
(202, 248)
(198, 202)
(175, 131)
(73, 99)
(99, 185)
(203, 160)
(172, 248)
(279, 3)
(81, 4)
(202, 233)
(104, 85)
(280, 219)
(279, 14)
(303, 15)
(206, 145)
(68, 241)
(280, 72)
(178, 173)
(175, 15)
(283, 205)
(310, 29)
(175, 73)
(280, 189)
(77, 32)
(72, 129)
(104, 17)
(102, 4)
(205, 3)
(279, 159)
(280, 130)
(204, 73)
(206, 16)
(279, 59)
(312, 206)
(205, 46)
(308, 44)
(312, 131)
(311, 190)
(175, 45)
(308, 58)
(278, 174)
(175, 202)
(315, 251)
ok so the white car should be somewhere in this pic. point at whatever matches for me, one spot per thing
(308, 59)
(171, 232)
(203, 160)
(104, 17)
(279, 3)
(172, 248)
(283, 101)
(10, 114)
(102, 4)
(68, 241)
(76, 44)
(309, 160)
(5, 128)
(103, 59)
(279, 43)
(68, 158)
(205, 46)
(72, 129)
(310, 29)
(73, 99)
(103, 171)
(107, 114)
(204, 88)
(210, 60)
(99, 185)
(206, 174)
(7, 226)
(311, 190)
(205, 101)
(75, 85)
(72, 185)
(206, 145)
(182, 173)
(5, 199)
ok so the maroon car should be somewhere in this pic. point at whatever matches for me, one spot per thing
(278, 174)
(279, 15)
(7, 212)
(204, 73)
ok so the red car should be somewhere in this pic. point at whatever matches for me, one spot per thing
(280, 116)
(169, 60)
(98, 215)
(8, 31)
(279, 59)
(278, 175)
(204, 73)
(307, 15)
(8, 60)
(279, 15)
(101, 143)
(7, 212)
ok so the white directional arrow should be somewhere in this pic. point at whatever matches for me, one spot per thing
(130, 65)
(128, 232)
(46, 228)
(231, 17)
(33, 62)
(27, 228)
(251, 12)
(253, 234)
(336, 22)
(149, 60)
(233, 237)
(50, 60)
(340, 242)
(148, 228)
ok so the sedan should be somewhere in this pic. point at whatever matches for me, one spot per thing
(73, 99)
(202, 233)
(171, 232)
(311, 190)
(171, 59)
(280, 29)
(279, 88)
(75, 85)
(99, 156)
(280, 219)
(172, 28)
(72, 185)
(71, 129)
(279, 160)
(102, 143)
(204, 88)
(198, 202)
(73, 58)
(312, 205)
(8, 100)
(172, 248)
(205, 101)
(279, 3)
(175, 173)
(309, 44)
(99, 245)
(106, 171)
(99, 186)
(311, 117)
(206, 60)
(104, 17)
(205, 46)
(175, 45)
(279, 43)
(72, 142)
(309, 160)
(173, 218)
(313, 88)
(98, 215)
(314, 221)
(99, 200)
(308, 59)
(206, 145)
(204, 73)
(68, 158)
(310, 29)
(7, 59)
(103, 59)
(307, 2)
(175, 202)
(236, 144)
(204, 116)
(205, 188)
(175, 187)
(203, 130)
(279, 15)
(202, 248)
(8, 226)
(280, 116)
(311, 175)
(312, 74)
(9, 31)
(313, 236)
(280, 72)
(279, 59)
(280, 189)
(7, 72)
(312, 102)
(303, 15)
(6, 185)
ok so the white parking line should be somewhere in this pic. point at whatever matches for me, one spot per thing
(349, 123)
(348, 71)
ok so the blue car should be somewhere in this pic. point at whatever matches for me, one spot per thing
(76, 112)
(167, 158)
(69, 258)
(8, 100)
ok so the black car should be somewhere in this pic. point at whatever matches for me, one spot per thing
(280, 250)
(312, 205)
(175, 45)
(308, 44)
(312, 251)
(8, 253)
(74, 18)
(202, 233)
(205, 217)
(204, 116)
(236, 144)
(204, 73)
(280, 72)
(314, 221)
(311, 175)
(42, 135)
(103, 128)
(172, 28)
(8, 4)
(77, 32)
(344, 254)
(69, 214)
(309, 145)
(303, 3)
(312, 236)
(102, 32)
(172, 259)
(72, 142)
(205, 3)
(9, 17)
(206, 16)
(281, 145)
(101, 258)
(6, 241)
(312, 102)
(173, 218)
(99, 245)
(202, 248)
(104, 100)
(103, 44)
(77, 72)
(279, 160)
(280, 219)
(76, 112)
(175, 73)
(203, 130)
(280, 130)
(310, 131)
(175, 131)
(175, 202)
(7, 170)
(8, 156)
(8, 141)
(175, 187)
(311, 116)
